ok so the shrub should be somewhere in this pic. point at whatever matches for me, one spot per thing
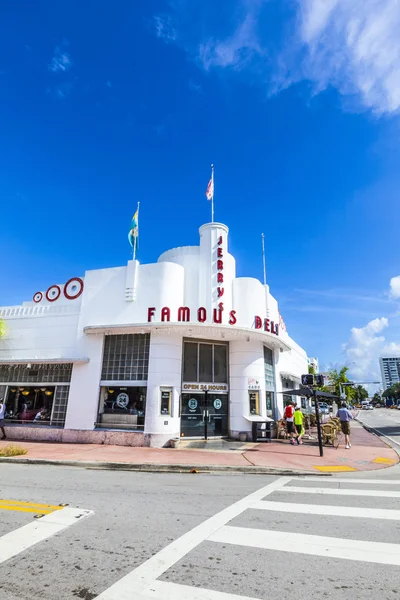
(12, 450)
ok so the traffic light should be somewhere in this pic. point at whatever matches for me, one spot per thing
(307, 380)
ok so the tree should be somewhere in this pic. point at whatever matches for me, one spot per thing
(360, 393)
(392, 392)
(376, 397)
(339, 377)
(2, 328)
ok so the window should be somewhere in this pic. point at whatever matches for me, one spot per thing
(44, 405)
(269, 369)
(254, 403)
(126, 357)
(54, 373)
(269, 396)
(122, 407)
(205, 362)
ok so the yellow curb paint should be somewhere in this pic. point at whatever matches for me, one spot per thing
(335, 469)
(36, 511)
(25, 504)
(385, 461)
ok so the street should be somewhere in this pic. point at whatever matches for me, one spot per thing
(385, 420)
(128, 535)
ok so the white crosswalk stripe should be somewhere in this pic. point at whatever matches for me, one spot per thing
(144, 583)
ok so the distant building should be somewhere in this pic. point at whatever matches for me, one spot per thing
(313, 362)
(390, 369)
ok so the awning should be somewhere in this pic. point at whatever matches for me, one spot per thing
(257, 419)
(41, 361)
(195, 330)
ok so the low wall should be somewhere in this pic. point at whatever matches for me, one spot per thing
(77, 436)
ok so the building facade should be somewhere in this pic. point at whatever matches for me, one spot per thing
(390, 370)
(142, 354)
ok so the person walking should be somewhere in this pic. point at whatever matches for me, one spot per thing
(2, 415)
(345, 417)
(288, 416)
(298, 419)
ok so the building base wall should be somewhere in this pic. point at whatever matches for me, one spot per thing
(78, 436)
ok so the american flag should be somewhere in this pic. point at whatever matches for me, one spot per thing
(210, 189)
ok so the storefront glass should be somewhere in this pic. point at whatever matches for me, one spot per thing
(122, 407)
(204, 415)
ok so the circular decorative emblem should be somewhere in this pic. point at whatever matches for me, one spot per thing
(217, 404)
(73, 288)
(53, 293)
(122, 400)
(38, 297)
(192, 404)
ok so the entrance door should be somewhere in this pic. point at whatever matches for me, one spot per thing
(204, 415)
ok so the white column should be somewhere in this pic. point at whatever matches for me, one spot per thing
(165, 366)
(246, 359)
(278, 385)
(83, 400)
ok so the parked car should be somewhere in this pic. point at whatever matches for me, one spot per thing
(366, 406)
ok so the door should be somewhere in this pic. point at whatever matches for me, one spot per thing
(204, 415)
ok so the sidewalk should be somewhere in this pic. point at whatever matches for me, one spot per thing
(368, 453)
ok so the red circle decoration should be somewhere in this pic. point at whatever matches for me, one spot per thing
(75, 293)
(51, 297)
(38, 297)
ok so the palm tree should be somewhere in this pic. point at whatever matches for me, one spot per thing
(340, 377)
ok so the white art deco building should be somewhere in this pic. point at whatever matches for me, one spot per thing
(142, 354)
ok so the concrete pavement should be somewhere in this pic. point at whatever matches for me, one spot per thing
(203, 537)
(368, 452)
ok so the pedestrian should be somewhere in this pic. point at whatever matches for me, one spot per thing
(2, 414)
(298, 419)
(345, 417)
(288, 416)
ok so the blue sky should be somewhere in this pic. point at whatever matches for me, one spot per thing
(106, 104)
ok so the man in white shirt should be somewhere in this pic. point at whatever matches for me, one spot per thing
(2, 414)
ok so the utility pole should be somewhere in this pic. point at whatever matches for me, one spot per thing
(321, 448)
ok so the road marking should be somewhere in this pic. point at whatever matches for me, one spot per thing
(36, 511)
(334, 468)
(352, 480)
(334, 511)
(140, 578)
(30, 507)
(162, 590)
(340, 492)
(315, 545)
(380, 460)
(27, 536)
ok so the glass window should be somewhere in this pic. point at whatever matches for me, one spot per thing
(36, 374)
(126, 357)
(190, 355)
(220, 364)
(269, 369)
(44, 405)
(166, 401)
(122, 407)
(270, 404)
(205, 362)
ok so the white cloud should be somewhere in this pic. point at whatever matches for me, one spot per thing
(364, 348)
(395, 287)
(164, 28)
(61, 61)
(354, 46)
(236, 50)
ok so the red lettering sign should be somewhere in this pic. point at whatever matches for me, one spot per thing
(219, 253)
(217, 315)
(220, 278)
(165, 314)
(183, 313)
(202, 315)
(257, 322)
(220, 265)
(220, 240)
(220, 292)
(233, 319)
(150, 313)
(267, 325)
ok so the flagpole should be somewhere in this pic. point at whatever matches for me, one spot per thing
(212, 199)
(136, 236)
(263, 257)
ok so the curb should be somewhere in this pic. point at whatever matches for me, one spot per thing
(387, 440)
(161, 468)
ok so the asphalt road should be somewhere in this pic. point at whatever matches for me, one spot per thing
(386, 421)
(197, 537)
